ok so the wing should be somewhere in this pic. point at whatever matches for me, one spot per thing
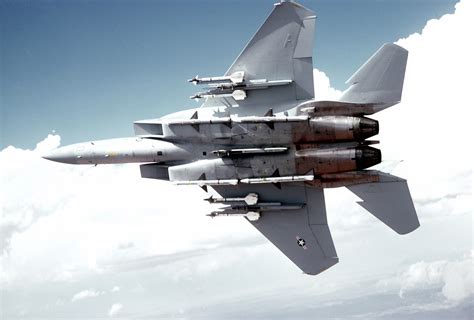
(280, 50)
(303, 234)
(390, 201)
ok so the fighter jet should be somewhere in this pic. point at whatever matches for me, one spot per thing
(263, 148)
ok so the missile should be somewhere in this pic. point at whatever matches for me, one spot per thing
(234, 89)
(226, 182)
(253, 212)
(308, 177)
(236, 152)
(236, 77)
(194, 80)
(251, 215)
(259, 207)
(283, 179)
(236, 94)
(250, 199)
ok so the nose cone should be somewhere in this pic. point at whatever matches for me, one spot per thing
(64, 155)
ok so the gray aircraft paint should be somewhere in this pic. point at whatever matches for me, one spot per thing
(265, 149)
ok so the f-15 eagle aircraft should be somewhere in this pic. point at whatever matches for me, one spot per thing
(264, 149)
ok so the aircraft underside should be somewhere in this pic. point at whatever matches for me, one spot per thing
(264, 149)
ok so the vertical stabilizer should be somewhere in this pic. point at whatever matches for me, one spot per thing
(379, 80)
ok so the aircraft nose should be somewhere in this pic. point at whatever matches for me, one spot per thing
(64, 155)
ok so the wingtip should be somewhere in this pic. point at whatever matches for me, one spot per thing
(329, 263)
(295, 4)
(412, 228)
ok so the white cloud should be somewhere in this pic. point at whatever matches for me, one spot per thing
(454, 277)
(51, 142)
(52, 208)
(115, 309)
(23, 202)
(89, 293)
(322, 87)
(430, 129)
(115, 289)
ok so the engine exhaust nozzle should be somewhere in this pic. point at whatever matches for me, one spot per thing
(366, 157)
(365, 128)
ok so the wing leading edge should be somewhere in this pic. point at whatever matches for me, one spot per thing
(302, 235)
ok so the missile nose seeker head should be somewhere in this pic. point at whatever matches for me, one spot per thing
(63, 155)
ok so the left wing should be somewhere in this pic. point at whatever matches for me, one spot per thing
(281, 49)
(303, 234)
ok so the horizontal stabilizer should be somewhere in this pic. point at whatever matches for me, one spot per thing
(390, 201)
(380, 79)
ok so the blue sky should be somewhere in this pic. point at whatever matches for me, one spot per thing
(88, 69)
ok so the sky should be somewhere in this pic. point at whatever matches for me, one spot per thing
(88, 69)
(102, 242)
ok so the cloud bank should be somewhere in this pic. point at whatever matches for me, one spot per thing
(455, 277)
(65, 228)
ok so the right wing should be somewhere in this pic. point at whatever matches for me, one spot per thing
(302, 235)
(281, 49)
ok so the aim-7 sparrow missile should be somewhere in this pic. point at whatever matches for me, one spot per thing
(250, 199)
(236, 77)
(264, 147)
(237, 90)
(253, 212)
(250, 215)
(235, 94)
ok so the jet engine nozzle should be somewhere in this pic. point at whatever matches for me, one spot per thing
(365, 128)
(366, 157)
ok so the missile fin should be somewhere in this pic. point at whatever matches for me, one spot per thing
(269, 113)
